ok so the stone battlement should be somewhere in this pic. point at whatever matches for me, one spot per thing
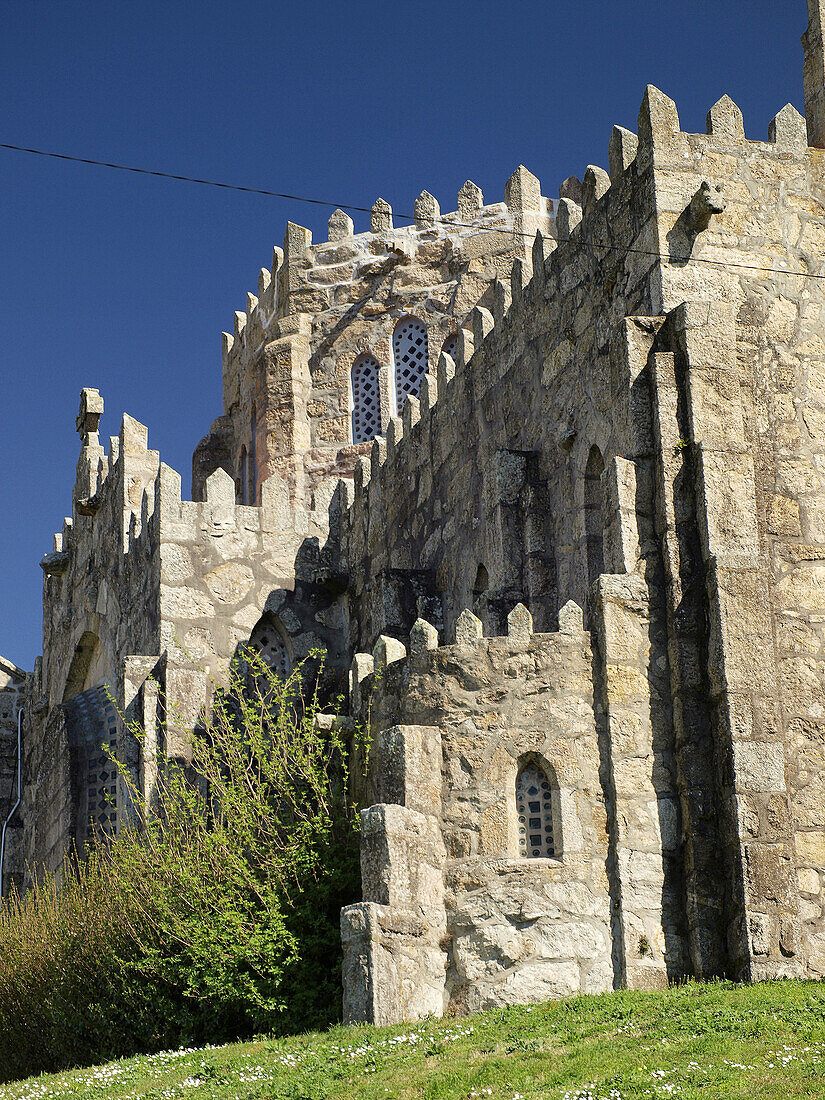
(305, 274)
(546, 479)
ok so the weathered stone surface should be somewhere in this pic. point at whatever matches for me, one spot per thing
(229, 583)
(339, 226)
(498, 428)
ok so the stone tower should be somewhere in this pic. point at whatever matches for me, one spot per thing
(546, 478)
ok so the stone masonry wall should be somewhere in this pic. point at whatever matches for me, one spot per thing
(152, 596)
(704, 512)
(757, 425)
(287, 364)
(487, 468)
(99, 602)
(451, 725)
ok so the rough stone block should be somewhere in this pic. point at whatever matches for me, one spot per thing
(340, 226)
(522, 192)
(393, 971)
(426, 211)
(402, 854)
(468, 629)
(658, 121)
(759, 765)
(725, 122)
(595, 184)
(787, 130)
(410, 767)
(520, 624)
(621, 152)
(482, 322)
(470, 200)
(571, 618)
(386, 652)
(381, 217)
(568, 216)
(423, 638)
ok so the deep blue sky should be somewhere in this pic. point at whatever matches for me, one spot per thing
(125, 283)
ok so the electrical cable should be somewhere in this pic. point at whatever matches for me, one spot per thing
(409, 217)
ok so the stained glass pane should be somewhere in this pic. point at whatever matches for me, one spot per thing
(534, 807)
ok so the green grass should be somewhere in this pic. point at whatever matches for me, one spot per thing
(697, 1041)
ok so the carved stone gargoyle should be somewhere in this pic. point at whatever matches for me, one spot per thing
(708, 200)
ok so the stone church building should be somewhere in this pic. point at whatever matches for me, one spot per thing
(546, 478)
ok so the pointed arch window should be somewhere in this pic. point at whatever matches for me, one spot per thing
(409, 348)
(534, 807)
(253, 457)
(268, 641)
(366, 419)
(593, 517)
(480, 586)
(450, 345)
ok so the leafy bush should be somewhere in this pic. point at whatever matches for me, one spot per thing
(212, 915)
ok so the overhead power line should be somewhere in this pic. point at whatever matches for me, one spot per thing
(184, 179)
(400, 214)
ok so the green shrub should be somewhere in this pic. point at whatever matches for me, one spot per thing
(213, 915)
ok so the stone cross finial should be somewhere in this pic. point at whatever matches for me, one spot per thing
(91, 409)
(813, 75)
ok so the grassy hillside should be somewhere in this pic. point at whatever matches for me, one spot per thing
(708, 1041)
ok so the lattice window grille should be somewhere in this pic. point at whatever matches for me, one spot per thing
(410, 355)
(93, 715)
(365, 399)
(535, 813)
(268, 641)
(450, 346)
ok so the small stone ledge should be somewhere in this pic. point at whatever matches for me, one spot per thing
(56, 563)
(88, 506)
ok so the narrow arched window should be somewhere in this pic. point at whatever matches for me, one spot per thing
(450, 345)
(268, 641)
(243, 477)
(365, 400)
(593, 518)
(534, 806)
(253, 457)
(409, 347)
(480, 586)
(91, 726)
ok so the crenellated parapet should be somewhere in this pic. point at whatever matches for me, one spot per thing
(443, 850)
(288, 359)
(548, 477)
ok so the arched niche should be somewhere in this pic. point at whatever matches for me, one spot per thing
(593, 515)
